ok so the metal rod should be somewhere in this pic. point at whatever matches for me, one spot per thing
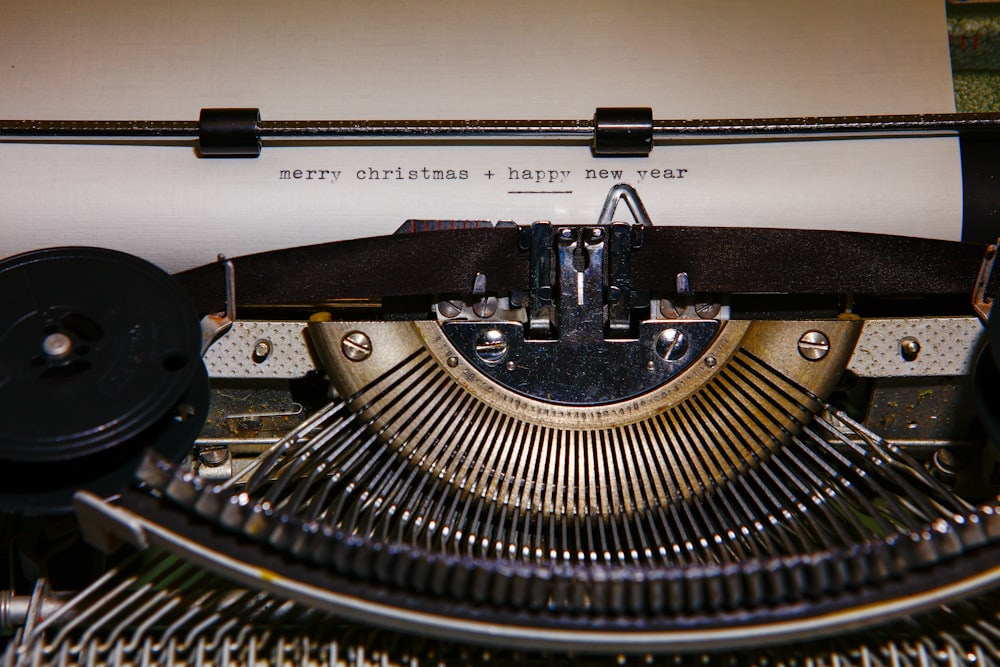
(663, 130)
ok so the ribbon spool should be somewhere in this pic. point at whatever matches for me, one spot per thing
(99, 360)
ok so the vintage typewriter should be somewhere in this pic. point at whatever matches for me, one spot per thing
(473, 442)
(623, 425)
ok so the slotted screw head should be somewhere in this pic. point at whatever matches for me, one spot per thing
(356, 346)
(707, 311)
(491, 346)
(485, 307)
(671, 344)
(669, 309)
(214, 456)
(814, 345)
(451, 308)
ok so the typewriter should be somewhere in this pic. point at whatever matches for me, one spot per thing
(618, 440)
(509, 441)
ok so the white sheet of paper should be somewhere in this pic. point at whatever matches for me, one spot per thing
(402, 60)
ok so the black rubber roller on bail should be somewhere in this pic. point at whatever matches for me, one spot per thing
(232, 133)
(99, 360)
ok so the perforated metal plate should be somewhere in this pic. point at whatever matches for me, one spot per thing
(947, 346)
(233, 355)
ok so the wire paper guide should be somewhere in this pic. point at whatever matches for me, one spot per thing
(610, 438)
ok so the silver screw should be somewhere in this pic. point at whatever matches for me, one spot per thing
(451, 308)
(485, 307)
(947, 464)
(57, 345)
(669, 309)
(356, 346)
(566, 235)
(909, 348)
(707, 311)
(711, 361)
(671, 344)
(814, 345)
(452, 362)
(596, 235)
(510, 365)
(491, 346)
(214, 456)
(261, 351)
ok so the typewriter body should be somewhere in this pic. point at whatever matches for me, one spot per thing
(596, 434)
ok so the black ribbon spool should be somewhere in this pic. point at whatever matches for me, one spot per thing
(99, 360)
